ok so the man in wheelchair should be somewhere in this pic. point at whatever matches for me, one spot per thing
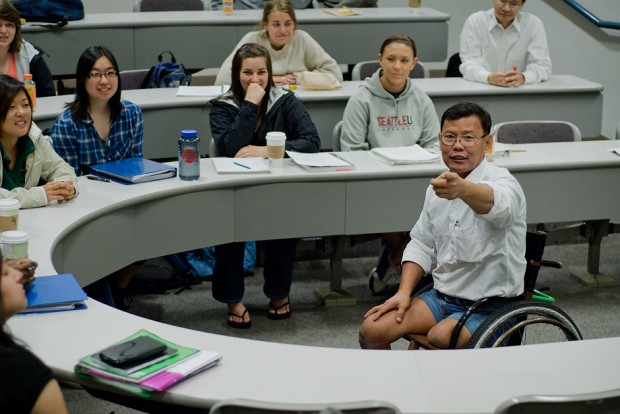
(473, 226)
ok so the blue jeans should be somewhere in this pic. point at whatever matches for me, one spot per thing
(444, 306)
(228, 285)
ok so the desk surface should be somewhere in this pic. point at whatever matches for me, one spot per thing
(137, 38)
(109, 217)
(564, 97)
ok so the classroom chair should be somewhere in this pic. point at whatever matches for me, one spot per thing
(531, 132)
(606, 402)
(169, 5)
(244, 406)
(363, 70)
(133, 79)
(452, 71)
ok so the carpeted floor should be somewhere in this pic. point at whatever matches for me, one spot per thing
(593, 309)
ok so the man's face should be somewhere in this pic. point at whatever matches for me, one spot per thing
(507, 10)
(468, 144)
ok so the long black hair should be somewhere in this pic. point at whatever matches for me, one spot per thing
(79, 106)
(250, 50)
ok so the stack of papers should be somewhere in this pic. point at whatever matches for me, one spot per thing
(252, 165)
(414, 154)
(204, 91)
(54, 293)
(144, 378)
(134, 170)
(321, 161)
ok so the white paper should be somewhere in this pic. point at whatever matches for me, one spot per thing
(240, 165)
(614, 150)
(405, 155)
(206, 91)
(319, 159)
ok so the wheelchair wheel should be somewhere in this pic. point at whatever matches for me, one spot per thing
(524, 323)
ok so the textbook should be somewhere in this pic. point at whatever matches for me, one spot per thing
(157, 374)
(134, 170)
(252, 165)
(54, 293)
(320, 161)
(413, 154)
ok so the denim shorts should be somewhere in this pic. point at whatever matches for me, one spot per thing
(444, 306)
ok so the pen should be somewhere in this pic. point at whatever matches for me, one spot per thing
(241, 165)
(95, 178)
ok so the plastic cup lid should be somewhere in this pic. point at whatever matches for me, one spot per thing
(9, 204)
(14, 236)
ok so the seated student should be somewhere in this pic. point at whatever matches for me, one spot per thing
(26, 384)
(292, 51)
(504, 46)
(98, 126)
(31, 171)
(240, 120)
(18, 56)
(390, 95)
(473, 226)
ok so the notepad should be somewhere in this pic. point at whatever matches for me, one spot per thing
(134, 170)
(253, 165)
(413, 154)
(54, 294)
(320, 161)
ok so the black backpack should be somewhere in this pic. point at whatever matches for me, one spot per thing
(167, 74)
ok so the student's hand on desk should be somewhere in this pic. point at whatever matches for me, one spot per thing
(251, 151)
(511, 78)
(26, 266)
(59, 190)
(400, 302)
(283, 80)
(448, 185)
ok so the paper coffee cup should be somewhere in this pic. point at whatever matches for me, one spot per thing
(9, 214)
(275, 148)
(14, 244)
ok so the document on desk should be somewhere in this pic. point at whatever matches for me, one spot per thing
(206, 91)
(252, 165)
(413, 154)
(320, 161)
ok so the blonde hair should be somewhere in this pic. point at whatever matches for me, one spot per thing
(271, 6)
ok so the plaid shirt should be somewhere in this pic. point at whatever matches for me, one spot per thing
(79, 144)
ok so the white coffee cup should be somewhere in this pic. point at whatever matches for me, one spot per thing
(14, 244)
(9, 214)
(275, 148)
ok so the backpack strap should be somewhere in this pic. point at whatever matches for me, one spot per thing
(160, 57)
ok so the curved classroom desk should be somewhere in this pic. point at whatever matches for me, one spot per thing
(563, 97)
(110, 225)
(202, 39)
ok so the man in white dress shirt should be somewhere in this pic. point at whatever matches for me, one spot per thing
(473, 227)
(504, 46)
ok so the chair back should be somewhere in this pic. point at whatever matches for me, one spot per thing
(243, 406)
(453, 71)
(530, 132)
(363, 70)
(213, 151)
(133, 79)
(168, 5)
(606, 402)
(336, 136)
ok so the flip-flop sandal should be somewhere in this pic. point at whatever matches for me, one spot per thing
(278, 316)
(239, 325)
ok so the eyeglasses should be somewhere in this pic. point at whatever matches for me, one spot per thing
(512, 4)
(111, 74)
(466, 140)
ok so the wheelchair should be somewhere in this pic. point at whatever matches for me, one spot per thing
(528, 319)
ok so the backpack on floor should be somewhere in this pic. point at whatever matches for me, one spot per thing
(167, 74)
(200, 262)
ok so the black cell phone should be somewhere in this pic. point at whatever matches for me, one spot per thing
(134, 350)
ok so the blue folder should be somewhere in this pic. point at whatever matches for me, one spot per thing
(134, 170)
(54, 293)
